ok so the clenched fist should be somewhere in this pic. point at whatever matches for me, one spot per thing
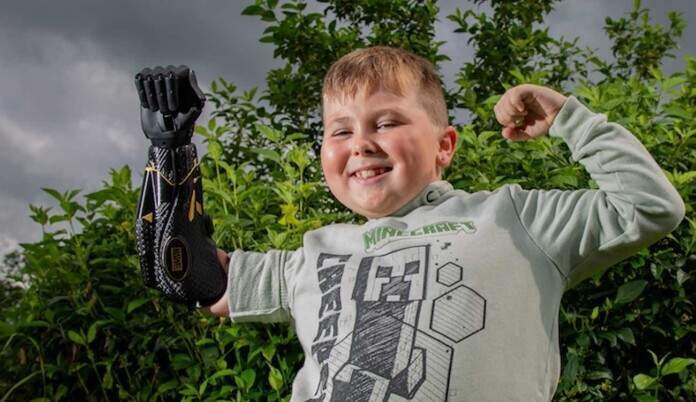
(170, 103)
(528, 111)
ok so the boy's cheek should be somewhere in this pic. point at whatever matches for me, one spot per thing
(332, 161)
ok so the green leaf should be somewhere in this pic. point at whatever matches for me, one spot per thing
(167, 386)
(221, 373)
(6, 329)
(36, 324)
(101, 196)
(118, 314)
(275, 378)
(646, 398)
(673, 81)
(77, 338)
(108, 380)
(267, 153)
(681, 277)
(630, 291)
(599, 375)
(201, 130)
(268, 351)
(202, 388)
(135, 304)
(92, 332)
(181, 361)
(248, 377)
(269, 132)
(53, 193)
(595, 313)
(677, 365)
(253, 10)
(626, 335)
(643, 381)
(39, 214)
(215, 150)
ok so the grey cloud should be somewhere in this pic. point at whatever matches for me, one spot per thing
(68, 110)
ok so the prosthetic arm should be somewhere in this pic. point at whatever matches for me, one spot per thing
(177, 254)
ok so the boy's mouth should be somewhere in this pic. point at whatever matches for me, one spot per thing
(372, 172)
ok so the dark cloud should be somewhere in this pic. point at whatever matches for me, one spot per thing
(212, 35)
(68, 111)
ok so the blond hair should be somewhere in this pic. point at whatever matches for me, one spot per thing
(392, 69)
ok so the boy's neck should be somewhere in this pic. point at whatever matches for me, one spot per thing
(428, 195)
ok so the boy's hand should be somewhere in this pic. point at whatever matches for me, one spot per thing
(527, 111)
(221, 308)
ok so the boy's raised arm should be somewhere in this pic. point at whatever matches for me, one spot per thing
(585, 231)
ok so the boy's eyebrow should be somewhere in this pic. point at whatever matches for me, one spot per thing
(342, 119)
(395, 110)
(346, 119)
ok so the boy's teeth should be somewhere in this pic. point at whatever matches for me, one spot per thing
(366, 174)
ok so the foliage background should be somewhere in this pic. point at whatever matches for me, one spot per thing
(85, 328)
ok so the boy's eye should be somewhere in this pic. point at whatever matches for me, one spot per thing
(386, 124)
(340, 132)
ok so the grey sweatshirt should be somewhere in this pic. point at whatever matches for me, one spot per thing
(456, 296)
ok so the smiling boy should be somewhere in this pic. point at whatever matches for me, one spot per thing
(443, 294)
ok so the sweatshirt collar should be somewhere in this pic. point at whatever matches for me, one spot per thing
(429, 195)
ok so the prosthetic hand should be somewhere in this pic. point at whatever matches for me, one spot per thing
(177, 254)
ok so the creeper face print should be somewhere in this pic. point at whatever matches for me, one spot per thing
(383, 357)
(392, 353)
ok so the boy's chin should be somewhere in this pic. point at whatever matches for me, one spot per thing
(375, 212)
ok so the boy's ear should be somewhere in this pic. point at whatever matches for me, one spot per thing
(447, 144)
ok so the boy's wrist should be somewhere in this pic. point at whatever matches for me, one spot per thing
(571, 116)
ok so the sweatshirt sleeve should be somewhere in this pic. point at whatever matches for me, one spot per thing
(586, 231)
(257, 285)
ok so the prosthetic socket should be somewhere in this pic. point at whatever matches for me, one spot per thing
(177, 254)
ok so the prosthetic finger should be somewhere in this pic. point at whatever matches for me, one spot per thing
(150, 93)
(185, 94)
(196, 90)
(161, 95)
(181, 72)
(141, 90)
(172, 88)
(190, 116)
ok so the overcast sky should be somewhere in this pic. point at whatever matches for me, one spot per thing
(69, 111)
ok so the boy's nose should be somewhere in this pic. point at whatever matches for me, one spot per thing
(363, 145)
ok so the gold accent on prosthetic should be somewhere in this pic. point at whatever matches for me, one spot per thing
(151, 168)
(192, 206)
(147, 217)
(199, 208)
(195, 165)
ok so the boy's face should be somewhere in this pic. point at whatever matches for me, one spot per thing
(380, 150)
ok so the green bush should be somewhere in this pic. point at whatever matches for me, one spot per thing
(85, 328)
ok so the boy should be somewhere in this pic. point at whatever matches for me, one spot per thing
(444, 294)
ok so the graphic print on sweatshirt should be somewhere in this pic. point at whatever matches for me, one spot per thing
(389, 351)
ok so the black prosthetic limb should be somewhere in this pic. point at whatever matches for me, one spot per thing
(177, 254)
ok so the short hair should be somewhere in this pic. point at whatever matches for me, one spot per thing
(392, 69)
